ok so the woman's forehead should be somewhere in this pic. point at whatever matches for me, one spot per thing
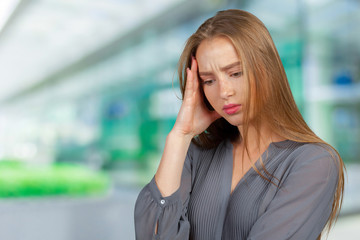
(219, 52)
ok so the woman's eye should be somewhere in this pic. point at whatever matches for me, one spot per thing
(208, 82)
(237, 74)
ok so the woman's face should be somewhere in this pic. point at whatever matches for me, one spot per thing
(221, 75)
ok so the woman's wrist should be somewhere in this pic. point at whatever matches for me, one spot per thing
(180, 136)
(168, 175)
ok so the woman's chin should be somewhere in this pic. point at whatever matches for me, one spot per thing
(233, 121)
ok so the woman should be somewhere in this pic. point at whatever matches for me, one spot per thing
(240, 161)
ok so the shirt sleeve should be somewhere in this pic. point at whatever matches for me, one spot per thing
(169, 212)
(303, 203)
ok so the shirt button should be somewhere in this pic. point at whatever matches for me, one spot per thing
(162, 201)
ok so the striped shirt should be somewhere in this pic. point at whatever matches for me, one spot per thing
(297, 206)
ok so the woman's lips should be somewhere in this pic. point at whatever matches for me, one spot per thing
(231, 109)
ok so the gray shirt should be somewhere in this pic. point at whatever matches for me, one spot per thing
(203, 208)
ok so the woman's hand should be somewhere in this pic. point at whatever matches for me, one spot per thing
(193, 117)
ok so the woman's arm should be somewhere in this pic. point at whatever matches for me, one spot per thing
(168, 175)
(193, 118)
(165, 217)
(165, 214)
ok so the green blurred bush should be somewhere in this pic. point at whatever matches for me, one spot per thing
(18, 179)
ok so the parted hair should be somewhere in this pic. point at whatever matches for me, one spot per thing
(269, 95)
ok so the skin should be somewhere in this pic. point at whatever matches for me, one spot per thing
(223, 82)
(221, 76)
(225, 86)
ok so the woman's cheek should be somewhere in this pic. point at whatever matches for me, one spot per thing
(208, 104)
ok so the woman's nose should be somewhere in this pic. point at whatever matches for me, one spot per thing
(226, 88)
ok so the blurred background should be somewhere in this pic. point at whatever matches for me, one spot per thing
(89, 93)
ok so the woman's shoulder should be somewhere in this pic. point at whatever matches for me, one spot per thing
(314, 151)
(197, 148)
(197, 153)
(317, 156)
(307, 149)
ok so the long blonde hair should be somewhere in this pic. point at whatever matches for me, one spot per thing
(267, 83)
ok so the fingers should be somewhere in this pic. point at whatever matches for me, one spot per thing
(192, 83)
(193, 64)
(189, 84)
(194, 69)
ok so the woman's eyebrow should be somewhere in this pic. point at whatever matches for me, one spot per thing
(235, 64)
(225, 68)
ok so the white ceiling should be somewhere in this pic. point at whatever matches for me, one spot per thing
(49, 34)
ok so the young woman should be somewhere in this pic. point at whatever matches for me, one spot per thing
(240, 161)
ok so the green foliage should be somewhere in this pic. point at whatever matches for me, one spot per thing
(21, 180)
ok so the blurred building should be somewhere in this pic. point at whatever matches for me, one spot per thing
(95, 82)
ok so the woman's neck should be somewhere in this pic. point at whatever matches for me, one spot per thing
(266, 137)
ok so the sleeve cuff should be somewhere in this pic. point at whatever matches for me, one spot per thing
(163, 201)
